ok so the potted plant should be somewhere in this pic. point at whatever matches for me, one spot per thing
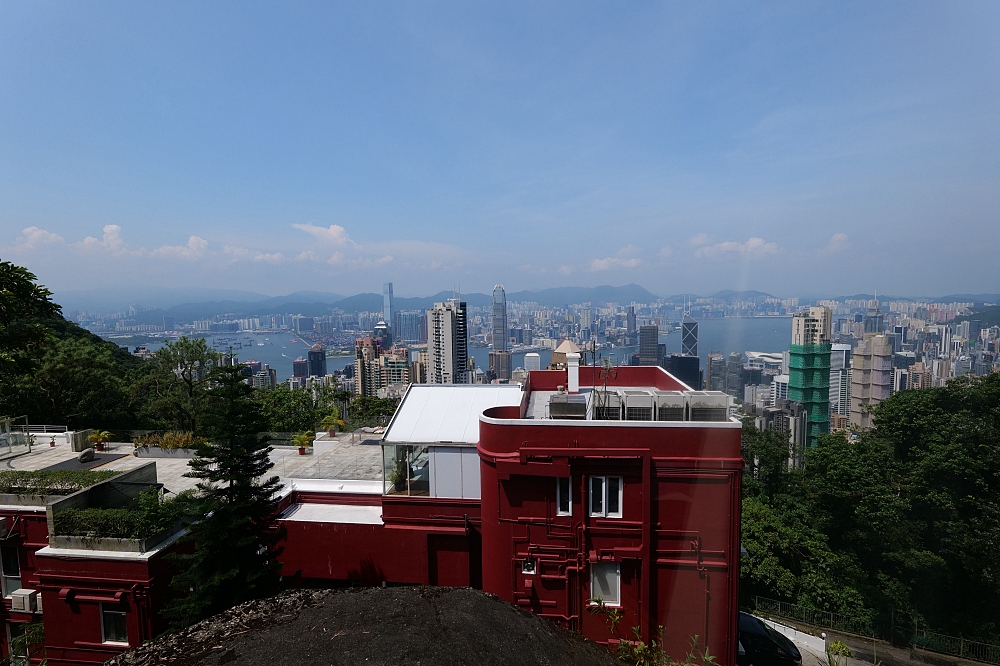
(397, 476)
(52, 442)
(303, 440)
(329, 423)
(99, 438)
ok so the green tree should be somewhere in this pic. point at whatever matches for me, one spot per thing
(372, 411)
(285, 410)
(175, 394)
(24, 308)
(234, 558)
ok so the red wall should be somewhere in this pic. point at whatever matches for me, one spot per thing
(677, 543)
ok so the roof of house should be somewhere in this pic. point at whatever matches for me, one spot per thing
(446, 413)
(567, 347)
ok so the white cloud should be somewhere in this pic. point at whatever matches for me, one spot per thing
(700, 239)
(624, 258)
(753, 247)
(334, 234)
(665, 251)
(111, 241)
(194, 249)
(33, 237)
(837, 243)
(565, 269)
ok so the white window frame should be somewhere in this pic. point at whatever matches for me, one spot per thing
(124, 614)
(559, 497)
(594, 568)
(4, 576)
(604, 513)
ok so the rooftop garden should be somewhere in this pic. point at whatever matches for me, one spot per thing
(150, 515)
(50, 482)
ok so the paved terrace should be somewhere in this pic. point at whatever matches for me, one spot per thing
(349, 457)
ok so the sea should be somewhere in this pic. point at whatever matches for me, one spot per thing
(740, 334)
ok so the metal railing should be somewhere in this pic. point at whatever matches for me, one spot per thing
(927, 640)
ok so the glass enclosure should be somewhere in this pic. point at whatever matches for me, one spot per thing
(405, 470)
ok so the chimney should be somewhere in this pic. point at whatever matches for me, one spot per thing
(573, 372)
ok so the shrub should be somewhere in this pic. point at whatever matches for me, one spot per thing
(840, 649)
(149, 516)
(50, 482)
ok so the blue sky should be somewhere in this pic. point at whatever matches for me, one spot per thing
(796, 148)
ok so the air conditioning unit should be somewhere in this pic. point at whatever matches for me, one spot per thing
(607, 405)
(670, 405)
(24, 601)
(639, 405)
(708, 406)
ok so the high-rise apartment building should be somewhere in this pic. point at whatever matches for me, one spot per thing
(367, 371)
(649, 345)
(840, 380)
(448, 343)
(501, 339)
(532, 361)
(406, 328)
(689, 336)
(871, 377)
(317, 361)
(809, 368)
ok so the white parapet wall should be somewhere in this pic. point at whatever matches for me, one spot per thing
(800, 638)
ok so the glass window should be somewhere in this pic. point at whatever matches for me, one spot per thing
(597, 495)
(113, 623)
(564, 501)
(10, 567)
(18, 646)
(605, 583)
(606, 496)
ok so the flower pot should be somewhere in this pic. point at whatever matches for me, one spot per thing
(52, 443)
(302, 450)
(99, 447)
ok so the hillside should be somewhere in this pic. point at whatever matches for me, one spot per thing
(375, 626)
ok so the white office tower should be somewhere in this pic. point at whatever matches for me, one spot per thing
(840, 380)
(500, 335)
(387, 310)
(448, 344)
(532, 361)
(779, 389)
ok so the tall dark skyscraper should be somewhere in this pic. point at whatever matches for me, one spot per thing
(689, 336)
(630, 321)
(501, 338)
(649, 347)
(317, 361)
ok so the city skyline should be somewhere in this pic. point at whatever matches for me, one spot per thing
(685, 149)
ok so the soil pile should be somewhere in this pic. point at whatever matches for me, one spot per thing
(376, 626)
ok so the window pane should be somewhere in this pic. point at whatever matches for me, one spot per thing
(614, 488)
(562, 491)
(115, 630)
(11, 584)
(8, 558)
(604, 582)
(597, 495)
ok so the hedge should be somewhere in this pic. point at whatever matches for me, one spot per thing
(50, 482)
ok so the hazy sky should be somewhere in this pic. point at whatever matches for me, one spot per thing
(799, 148)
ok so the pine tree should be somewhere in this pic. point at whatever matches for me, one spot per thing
(234, 551)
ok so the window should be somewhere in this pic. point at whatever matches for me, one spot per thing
(564, 497)
(605, 583)
(18, 646)
(10, 567)
(113, 627)
(606, 496)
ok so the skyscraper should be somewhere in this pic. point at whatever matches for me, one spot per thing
(630, 321)
(809, 368)
(387, 310)
(317, 361)
(689, 336)
(840, 380)
(501, 340)
(448, 343)
(716, 372)
(649, 347)
(871, 377)
(367, 370)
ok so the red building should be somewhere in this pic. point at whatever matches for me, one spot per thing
(625, 487)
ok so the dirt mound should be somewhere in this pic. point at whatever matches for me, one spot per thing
(377, 626)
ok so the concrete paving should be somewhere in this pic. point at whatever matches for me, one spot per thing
(347, 457)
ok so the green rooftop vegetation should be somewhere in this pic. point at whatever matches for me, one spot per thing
(50, 482)
(150, 515)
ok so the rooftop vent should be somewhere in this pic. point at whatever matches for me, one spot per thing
(567, 406)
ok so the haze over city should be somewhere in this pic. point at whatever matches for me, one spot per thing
(802, 150)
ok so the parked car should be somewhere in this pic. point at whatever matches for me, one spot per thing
(760, 645)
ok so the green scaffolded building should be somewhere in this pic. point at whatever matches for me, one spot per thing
(809, 369)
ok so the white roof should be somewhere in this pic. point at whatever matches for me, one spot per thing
(432, 413)
(333, 513)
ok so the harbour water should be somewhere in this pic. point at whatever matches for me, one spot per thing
(278, 350)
